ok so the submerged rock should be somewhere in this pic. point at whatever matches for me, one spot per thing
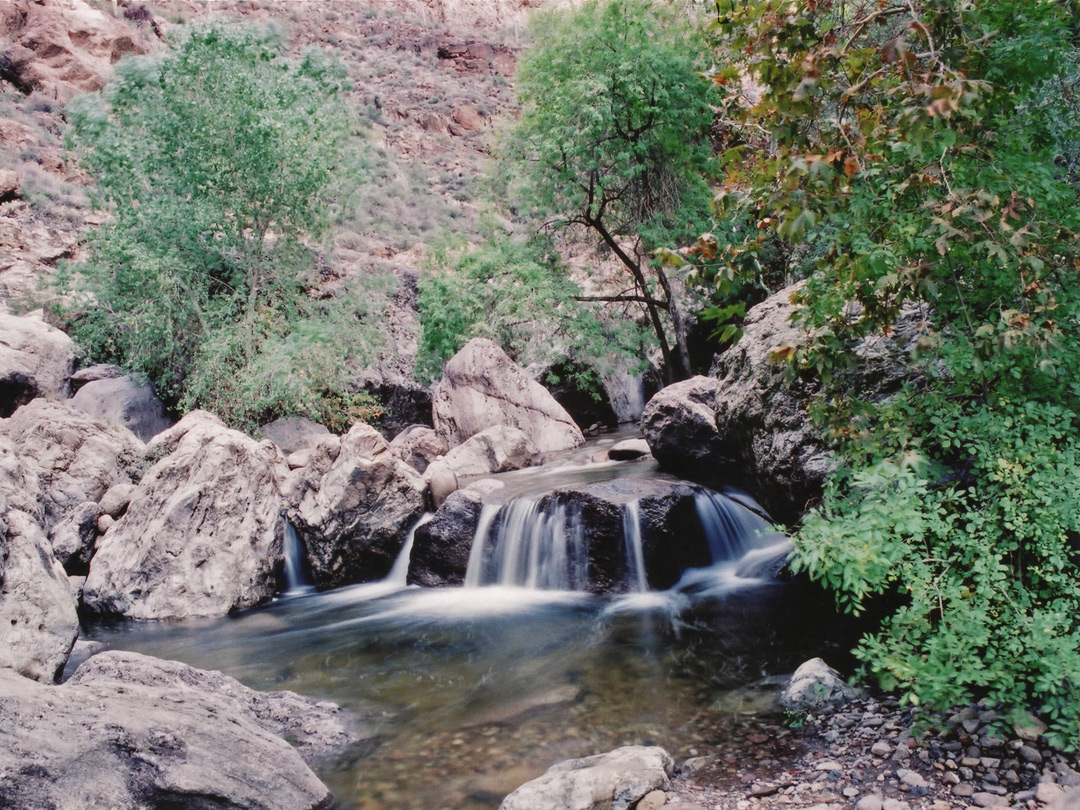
(128, 731)
(352, 506)
(38, 623)
(482, 387)
(617, 780)
(202, 532)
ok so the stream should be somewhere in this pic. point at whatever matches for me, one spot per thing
(469, 692)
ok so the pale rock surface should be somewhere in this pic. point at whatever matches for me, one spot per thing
(202, 532)
(352, 506)
(38, 623)
(117, 499)
(679, 425)
(9, 184)
(126, 402)
(35, 360)
(73, 538)
(482, 387)
(99, 371)
(813, 685)
(63, 47)
(628, 450)
(497, 449)
(418, 446)
(613, 781)
(294, 433)
(77, 458)
(128, 732)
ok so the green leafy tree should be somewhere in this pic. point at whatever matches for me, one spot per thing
(917, 149)
(215, 162)
(613, 138)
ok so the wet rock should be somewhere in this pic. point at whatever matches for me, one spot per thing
(813, 685)
(203, 530)
(679, 425)
(76, 458)
(418, 446)
(294, 433)
(628, 450)
(482, 387)
(126, 401)
(38, 623)
(128, 731)
(352, 506)
(616, 780)
(441, 547)
(35, 361)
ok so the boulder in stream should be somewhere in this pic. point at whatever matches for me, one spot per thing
(128, 731)
(496, 449)
(482, 387)
(352, 507)
(617, 780)
(202, 532)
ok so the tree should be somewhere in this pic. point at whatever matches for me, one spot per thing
(917, 149)
(613, 138)
(216, 162)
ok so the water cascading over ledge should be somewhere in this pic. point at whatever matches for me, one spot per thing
(616, 536)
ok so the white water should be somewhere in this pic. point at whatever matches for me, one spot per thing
(296, 581)
(399, 572)
(635, 555)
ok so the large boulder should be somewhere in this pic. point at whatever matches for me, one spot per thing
(203, 530)
(35, 361)
(352, 506)
(418, 446)
(129, 732)
(38, 623)
(617, 780)
(494, 450)
(77, 458)
(124, 401)
(815, 684)
(294, 433)
(440, 552)
(63, 47)
(482, 387)
(679, 424)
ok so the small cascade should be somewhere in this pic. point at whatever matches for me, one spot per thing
(297, 576)
(635, 556)
(527, 544)
(399, 572)
(730, 528)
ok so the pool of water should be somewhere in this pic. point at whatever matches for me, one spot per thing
(469, 692)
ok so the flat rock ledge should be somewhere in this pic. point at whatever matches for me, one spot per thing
(128, 731)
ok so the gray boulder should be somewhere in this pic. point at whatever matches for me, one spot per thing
(203, 530)
(482, 387)
(294, 433)
(129, 732)
(124, 401)
(35, 361)
(352, 506)
(815, 684)
(679, 425)
(613, 781)
(440, 552)
(418, 446)
(77, 458)
(73, 538)
(38, 623)
(494, 450)
(99, 371)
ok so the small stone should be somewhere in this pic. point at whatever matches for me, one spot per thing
(105, 522)
(969, 762)
(1047, 792)
(895, 804)
(652, 800)
(1030, 728)
(871, 801)
(971, 725)
(851, 792)
(963, 790)
(986, 799)
(940, 805)
(950, 778)
(1030, 754)
(990, 763)
(881, 749)
(828, 765)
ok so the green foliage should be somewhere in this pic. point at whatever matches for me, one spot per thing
(921, 153)
(519, 296)
(216, 163)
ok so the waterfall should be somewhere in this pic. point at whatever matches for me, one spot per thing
(635, 556)
(399, 572)
(729, 527)
(297, 580)
(530, 545)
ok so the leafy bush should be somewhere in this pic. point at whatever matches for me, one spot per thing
(921, 153)
(217, 162)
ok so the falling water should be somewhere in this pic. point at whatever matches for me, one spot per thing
(635, 556)
(297, 580)
(729, 527)
(399, 572)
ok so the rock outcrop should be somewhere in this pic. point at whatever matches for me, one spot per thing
(352, 506)
(126, 402)
(63, 47)
(38, 623)
(76, 457)
(35, 361)
(128, 732)
(482, 387)
(617, 780)
(202, 532)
